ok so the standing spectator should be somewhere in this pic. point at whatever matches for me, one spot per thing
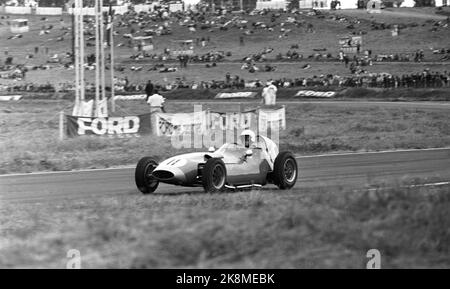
(269, 93)
(227, 77)
(346, 60)
(241, 40)
(148, 89)
(8, 60)
(156, 102)
(126, 83)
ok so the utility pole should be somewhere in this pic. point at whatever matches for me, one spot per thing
(111, 46)
(101, 106)
(102, 54)
(97, 59)
(78, 54)
(81, 53)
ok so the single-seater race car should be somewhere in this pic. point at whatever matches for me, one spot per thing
(252, 163)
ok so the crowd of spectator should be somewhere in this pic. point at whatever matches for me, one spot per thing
(425, 79)
(160, 22)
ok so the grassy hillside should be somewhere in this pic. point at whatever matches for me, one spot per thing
(417, 32)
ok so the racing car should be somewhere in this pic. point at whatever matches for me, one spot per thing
(253, 162)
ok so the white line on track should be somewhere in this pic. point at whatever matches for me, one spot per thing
(432, 184)
(297, 156)
(414, 186)
(375, 152)
(67, 172)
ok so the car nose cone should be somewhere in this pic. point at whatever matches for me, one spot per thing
(163, 175)
(169, 174)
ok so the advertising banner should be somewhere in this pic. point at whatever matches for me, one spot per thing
(10, 97)
(178, 124)
(318, 94)
(169, 124)
(130, 97)
(17, 10)
(83, 108)
(350, 44)
(48, 11)
(244, 94)
(175, 7)
(127, 125)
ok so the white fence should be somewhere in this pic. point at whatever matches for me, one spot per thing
(271, 4)
(90, 11)
(143, 8)
(86, 11)
(308, 4)
(408, 3)
(326, 4)
(348, 4)
(17, 10)
(120, 9)
(176, 7)
(48, 11)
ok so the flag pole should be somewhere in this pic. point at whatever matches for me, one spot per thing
(111, 44)
(102, 59)
(61, 125)
(76, 50)
(81, 57)
(97, 59)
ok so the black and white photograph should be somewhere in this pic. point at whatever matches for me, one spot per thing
(217, 135)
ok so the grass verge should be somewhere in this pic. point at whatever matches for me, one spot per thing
(29, 134)
(309, 228)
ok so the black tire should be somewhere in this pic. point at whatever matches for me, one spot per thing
(145, 183)
(285, 170)
(214, 175)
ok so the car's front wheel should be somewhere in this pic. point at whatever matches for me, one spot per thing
(142, 175)
(214, 175)
(285, 171)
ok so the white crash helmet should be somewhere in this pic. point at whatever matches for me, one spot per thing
(248, 137)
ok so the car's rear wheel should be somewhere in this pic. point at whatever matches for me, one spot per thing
(142, 175)
(285, 171)
(214, 175)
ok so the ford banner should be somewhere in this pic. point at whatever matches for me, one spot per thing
(313, 93)
(245, 94)
(109, 126)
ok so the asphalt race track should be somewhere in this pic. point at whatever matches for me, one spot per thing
(346, 170)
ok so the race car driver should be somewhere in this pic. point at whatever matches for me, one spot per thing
(248, 138)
